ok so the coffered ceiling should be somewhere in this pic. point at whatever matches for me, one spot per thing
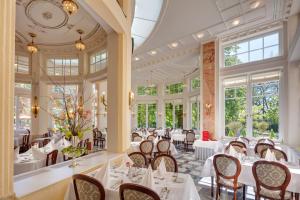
(186, 24)
(52, 25)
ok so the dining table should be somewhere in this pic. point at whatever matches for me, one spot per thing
(135, 147)
(246, 177)
(173, 186)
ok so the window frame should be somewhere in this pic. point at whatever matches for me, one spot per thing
(16, 64)
(100, 62)
(147, 113)
(173, 84)
(63, 67)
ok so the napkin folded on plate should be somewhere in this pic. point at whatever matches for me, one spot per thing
(270, 156)
(162, 168)
(37, 154)
(103, 174)
(232, 151)
(17, 150)
(148, 180)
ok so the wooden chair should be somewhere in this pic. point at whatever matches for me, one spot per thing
(259, 147)
(95, 137)
(137, 139)
(237, 148)
(130, 191)
(163, 147)
(167, 135)
(101, 139)
(266, 140)
(134, 134)
(228, 169)
(151, 137)
(272, 179)
(279, 154)
(52, 156)
(25, 143)
(45, 142)
(146, 147)
(189, 140)
(238, 143)
(139, 159)
(88, 188)
(244, 139)
(170, 162)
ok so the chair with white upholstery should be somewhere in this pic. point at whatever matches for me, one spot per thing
(237, 148)
(146, 147)
(189, 140)
(272, 179)
(279, 154)
(130, 191)
(134, 134)
(170, 162)
(151, 137)
(228, 169)
(259, 147)
(88, 188)
(139, 159)
(137, 139)
(163, 147)
(266, 140)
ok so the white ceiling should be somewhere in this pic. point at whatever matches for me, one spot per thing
(51, 23)
(181, 21)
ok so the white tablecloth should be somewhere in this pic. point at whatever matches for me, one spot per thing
(135, 147)
(178, 137)
(205, 149)
(178, 191)
(160, 132)
(246, 177)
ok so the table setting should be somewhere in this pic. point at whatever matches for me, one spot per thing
(168, 185)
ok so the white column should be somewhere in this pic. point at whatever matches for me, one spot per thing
(118, 87)
(185, 102)
(7, 53)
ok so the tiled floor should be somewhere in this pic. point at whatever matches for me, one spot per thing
(187, 163)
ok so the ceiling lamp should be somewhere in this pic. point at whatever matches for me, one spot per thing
(31, 47)
(79, 44)
(70, 6)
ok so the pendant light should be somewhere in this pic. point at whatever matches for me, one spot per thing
(79, 44)
(31, 47)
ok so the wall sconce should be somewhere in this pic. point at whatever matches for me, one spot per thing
(80, 106)
(35, 108)
(103, 100)
(131, 99)
(208, 107)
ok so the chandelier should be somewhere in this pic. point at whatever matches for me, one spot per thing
(79, 44)
(31, 47)
(70, 6)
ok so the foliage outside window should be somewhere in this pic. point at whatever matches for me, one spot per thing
(63, 67)
(176, 88)
(98, 61)
(235, 111)
(21, 64)
(143, 91)
(265, 109)
(195, 115)
(195, 83)
(22, 106)
(254, 49)
(173, 115)
(146, 115)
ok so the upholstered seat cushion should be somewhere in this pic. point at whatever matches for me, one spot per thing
(274, 194)
(229, 182)
(136, 195)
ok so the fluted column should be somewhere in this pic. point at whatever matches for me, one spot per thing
(7, 53)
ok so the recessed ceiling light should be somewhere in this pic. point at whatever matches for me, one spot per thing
(200, 35)
(153, 52)
(174, 44)
(236, 22)
(136, 58)
(255, 4)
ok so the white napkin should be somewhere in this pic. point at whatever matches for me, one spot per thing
(232, 151)
(17, 153)
(37, 154)
(51, 146)
(103, 175)
(162, 168)
(148, 180)
(126, 160)
(270, 156)
(155, 140)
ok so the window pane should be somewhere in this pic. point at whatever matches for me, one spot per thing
(231, 60)
(179, 116)
(151, 115)
(231, 50)
(271, 40)
(24, 112)
(242, 58)
(195, 115)
(141, 115)
(195, 83)
(242, 47)
(169, 115)
(256, 44)
(256, 55)
(271, 52)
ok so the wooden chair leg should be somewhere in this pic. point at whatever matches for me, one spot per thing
(217, 192)
(244, 192)
(297, 196)
(212, 186)
(234, 194)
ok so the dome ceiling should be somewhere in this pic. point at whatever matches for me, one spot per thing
(51, 23)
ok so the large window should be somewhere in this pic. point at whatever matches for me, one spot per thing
(22, 106)
(252, 105)
(176, 88)
(98, 61)
(146, 115)
(150, 91)
(174, 115)
(254, 49)
(195, 113)
(195, 83)
(63, 67)
(22, 64)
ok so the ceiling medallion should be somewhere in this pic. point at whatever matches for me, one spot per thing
(79, 44)
(70, 6)
(31, 47)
